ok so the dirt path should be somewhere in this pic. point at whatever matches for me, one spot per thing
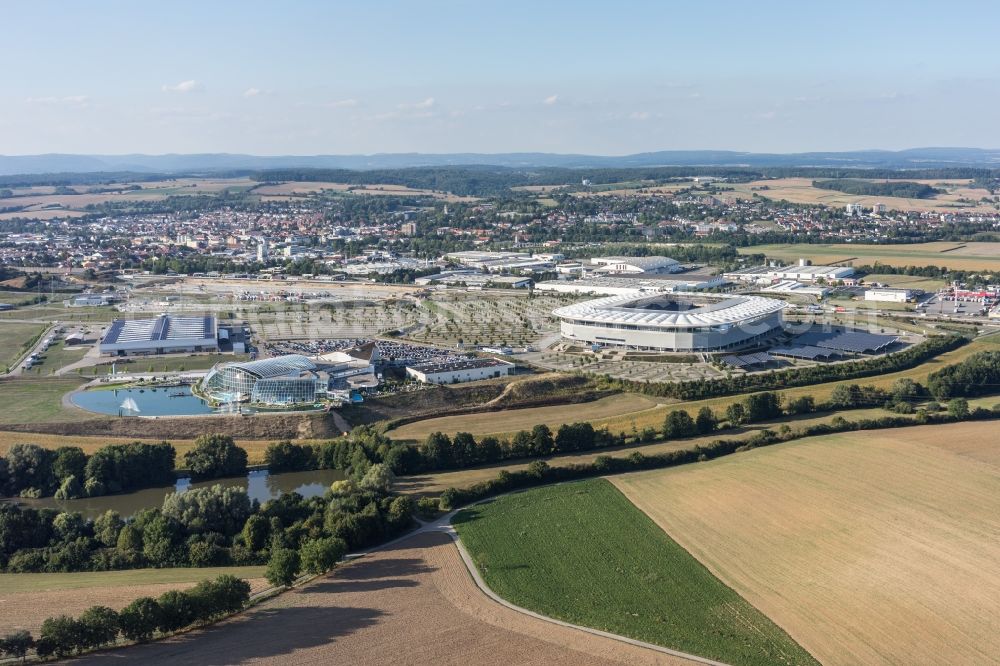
(412, 602)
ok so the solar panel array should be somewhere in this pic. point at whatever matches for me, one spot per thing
(856, 342)
(747, 360)
(164, 327)
(808, 352)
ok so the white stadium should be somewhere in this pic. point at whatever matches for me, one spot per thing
(672, 322)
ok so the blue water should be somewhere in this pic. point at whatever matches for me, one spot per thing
(259, 485)
(162, 401)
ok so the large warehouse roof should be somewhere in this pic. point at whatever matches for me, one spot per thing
(164, 327)
(632, 309)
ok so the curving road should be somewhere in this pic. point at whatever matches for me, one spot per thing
(411, 601)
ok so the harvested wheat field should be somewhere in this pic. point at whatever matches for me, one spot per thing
(412, 603)
(867, 548)
(27, 599)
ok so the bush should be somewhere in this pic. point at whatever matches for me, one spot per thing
(177, 610)
(60, 636)
(283, 567)
(98, 627)
(427, 507)
(321, 555)
(17, 644)
(140, 619)
(215, 456)
(288, 457)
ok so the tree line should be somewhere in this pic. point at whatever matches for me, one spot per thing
(214, 526)
(896, 188)
(539, 472)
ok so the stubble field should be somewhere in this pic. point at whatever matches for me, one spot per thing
(869, 547)
(27, 599)
(957, 256)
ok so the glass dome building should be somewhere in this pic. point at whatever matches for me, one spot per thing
(282, 380)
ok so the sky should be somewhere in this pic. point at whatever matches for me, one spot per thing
(608, 78)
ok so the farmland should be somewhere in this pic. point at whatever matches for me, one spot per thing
(90, 443)
(410, 603)
(875, 547)
(495, 422)
(27, 599)
(956, 256)
(291, 189)
(627, 577)
(958, 193)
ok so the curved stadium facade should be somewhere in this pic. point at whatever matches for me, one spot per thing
(282, 380)
(672, 322)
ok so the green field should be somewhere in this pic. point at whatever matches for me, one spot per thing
(906, 281)
(581, 552)
(45, 582)
(30, 400)
(58, 356)
(13, 337)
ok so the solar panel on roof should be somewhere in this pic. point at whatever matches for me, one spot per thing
(849, 341)
(747, 360)
(807, 352)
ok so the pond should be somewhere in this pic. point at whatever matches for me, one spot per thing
(146, 401)
(260, 485)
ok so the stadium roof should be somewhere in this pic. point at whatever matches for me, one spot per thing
(278, 366)
(164, 327)
(726, 310)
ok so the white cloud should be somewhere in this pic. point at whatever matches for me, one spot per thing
(639, 115)
(342, 104)
(550, 100)
(183, 87)
(425, 104)
(252, 92)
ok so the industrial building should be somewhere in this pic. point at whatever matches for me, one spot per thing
(672, 322)
(165, 334)
(803, 272)
(888, 295)
(621, 285)
(635, 265)
(463, 370)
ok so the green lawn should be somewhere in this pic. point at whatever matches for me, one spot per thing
(171, 363)
(37, 400)
(13, 583)
(581, 552)
(59, 355)
(13, 337)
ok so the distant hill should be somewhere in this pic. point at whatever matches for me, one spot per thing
(217, 162)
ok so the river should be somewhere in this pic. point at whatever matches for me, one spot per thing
(260, 485)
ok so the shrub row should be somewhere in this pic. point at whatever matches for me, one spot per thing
(540, 473)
